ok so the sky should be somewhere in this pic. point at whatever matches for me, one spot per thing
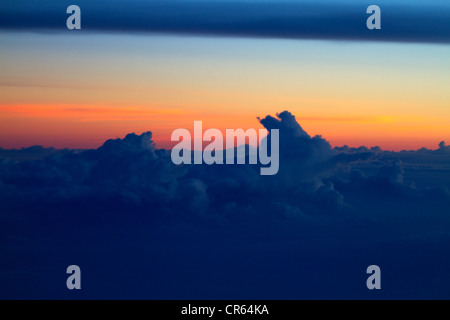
(75, 89)
(141, 227)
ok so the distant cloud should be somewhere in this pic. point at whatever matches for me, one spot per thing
(310, 170)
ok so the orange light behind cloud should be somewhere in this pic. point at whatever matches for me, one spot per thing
(97, 87)
(88, 126)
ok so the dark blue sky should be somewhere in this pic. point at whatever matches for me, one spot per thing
(411, 21)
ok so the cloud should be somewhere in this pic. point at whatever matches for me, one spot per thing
(267, 19)
(443, 148)
(125, 212)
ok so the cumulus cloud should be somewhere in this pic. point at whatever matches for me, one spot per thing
(126, 200)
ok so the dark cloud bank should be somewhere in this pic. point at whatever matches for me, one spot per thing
(405, 21)
(141, 227)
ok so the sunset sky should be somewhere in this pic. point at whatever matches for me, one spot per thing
(77, 89)
(142, 225)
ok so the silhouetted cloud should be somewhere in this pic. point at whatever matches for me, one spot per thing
(414, 21)
(130, 217)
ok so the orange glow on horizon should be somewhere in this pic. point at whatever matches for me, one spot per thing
(88, 126)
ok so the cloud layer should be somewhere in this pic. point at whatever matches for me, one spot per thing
(416, 21)
(130, 218)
